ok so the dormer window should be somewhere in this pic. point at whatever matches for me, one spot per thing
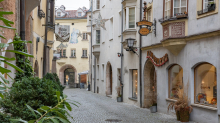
(58, 14)
(79, 14)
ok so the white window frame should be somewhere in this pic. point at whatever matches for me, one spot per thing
(83, 53)
(80, 14)
(97, 72)
(180, 7)
(167, 10)
(85, 35)
(103, 69)
(111, 28)
(126, 18)
(204, 1)
(58, 14)
(74, 52)
(149, 12)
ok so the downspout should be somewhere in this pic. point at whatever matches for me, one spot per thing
(22, 23)
(91, 44)
(45, 43)
(140, 58)
(94, 73)
(121, 81)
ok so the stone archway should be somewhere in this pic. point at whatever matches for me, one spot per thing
(36, 69)
(109, 79)
(150, 84)
(61, 73)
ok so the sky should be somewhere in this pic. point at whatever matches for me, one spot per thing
(72, 4)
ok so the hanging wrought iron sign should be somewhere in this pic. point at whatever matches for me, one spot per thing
(157, 61)
(62, 33)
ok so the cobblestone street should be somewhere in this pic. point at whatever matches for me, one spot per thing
(96, 108)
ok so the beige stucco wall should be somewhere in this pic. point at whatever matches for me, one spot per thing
(80, 64)
(39, 31)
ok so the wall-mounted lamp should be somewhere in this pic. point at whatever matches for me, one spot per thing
(130, 43)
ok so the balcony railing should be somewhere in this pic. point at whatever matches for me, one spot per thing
(41, 14)
(210, 8)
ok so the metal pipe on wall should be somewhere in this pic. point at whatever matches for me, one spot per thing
(121, 81)
(91, 45)
(45, 43)
(140, 57)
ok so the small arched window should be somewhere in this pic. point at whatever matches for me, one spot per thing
(175, 80)
(205, 85)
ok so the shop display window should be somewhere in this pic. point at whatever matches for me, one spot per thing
(205, 85)
(134, 83)
(175, 80)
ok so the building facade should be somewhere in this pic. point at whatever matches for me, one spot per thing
(110, 52)
(39, 36)
(183, 54)
(74, 59)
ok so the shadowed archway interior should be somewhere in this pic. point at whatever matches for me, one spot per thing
(71, 70)
(108, 79)
(150, 84)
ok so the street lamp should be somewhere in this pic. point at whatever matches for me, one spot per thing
(130, 42)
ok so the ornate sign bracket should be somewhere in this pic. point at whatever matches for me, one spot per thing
(157, 61)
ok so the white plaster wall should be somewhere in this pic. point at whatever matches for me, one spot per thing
(196, 51)
(110, 48)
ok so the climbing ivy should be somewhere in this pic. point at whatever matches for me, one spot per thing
(26, 66)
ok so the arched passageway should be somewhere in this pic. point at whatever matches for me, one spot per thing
(68, 73)
(109, 79)
(150, 84)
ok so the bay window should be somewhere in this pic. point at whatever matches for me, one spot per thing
(131, 17)
(175, 7)
(149, 15)
(97, 36)
(205, 85)
(175, 81)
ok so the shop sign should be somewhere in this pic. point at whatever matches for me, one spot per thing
(62, 33)
(144, 31)
(157, 61)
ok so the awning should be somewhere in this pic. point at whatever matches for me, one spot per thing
(83, 73)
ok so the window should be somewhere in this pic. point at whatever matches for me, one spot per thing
(97, 36)
(84, 36)
(205, 85)
(84, 53)
(97, 71)
(50, 12)
(79, 14)
(73, 53)
(131, 17)
(64, 52)
(175, 80)
(174, 7)
(134, 83)
(149, 15)
(206, 3)
(97, 4)
(167, 8)
(58, 14)
(179, 6)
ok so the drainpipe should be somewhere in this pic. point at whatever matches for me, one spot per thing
(94, 73)
(91, 44)
(140, 57)
(121, 81)
(22, 23)
(45, 43)
(91, 47)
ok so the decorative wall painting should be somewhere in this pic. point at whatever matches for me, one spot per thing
(74, 36)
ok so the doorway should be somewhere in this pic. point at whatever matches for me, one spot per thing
(69, 77)
(150, 85)
(109, 79)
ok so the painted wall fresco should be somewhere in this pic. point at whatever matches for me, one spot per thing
(74, 36)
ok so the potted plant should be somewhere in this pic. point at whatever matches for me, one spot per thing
(181, 106)
(118, 90)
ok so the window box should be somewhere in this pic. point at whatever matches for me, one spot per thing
(211, 7)
(84, 57)
(72, 57)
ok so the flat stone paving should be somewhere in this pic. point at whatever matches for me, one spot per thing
(96, 108)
